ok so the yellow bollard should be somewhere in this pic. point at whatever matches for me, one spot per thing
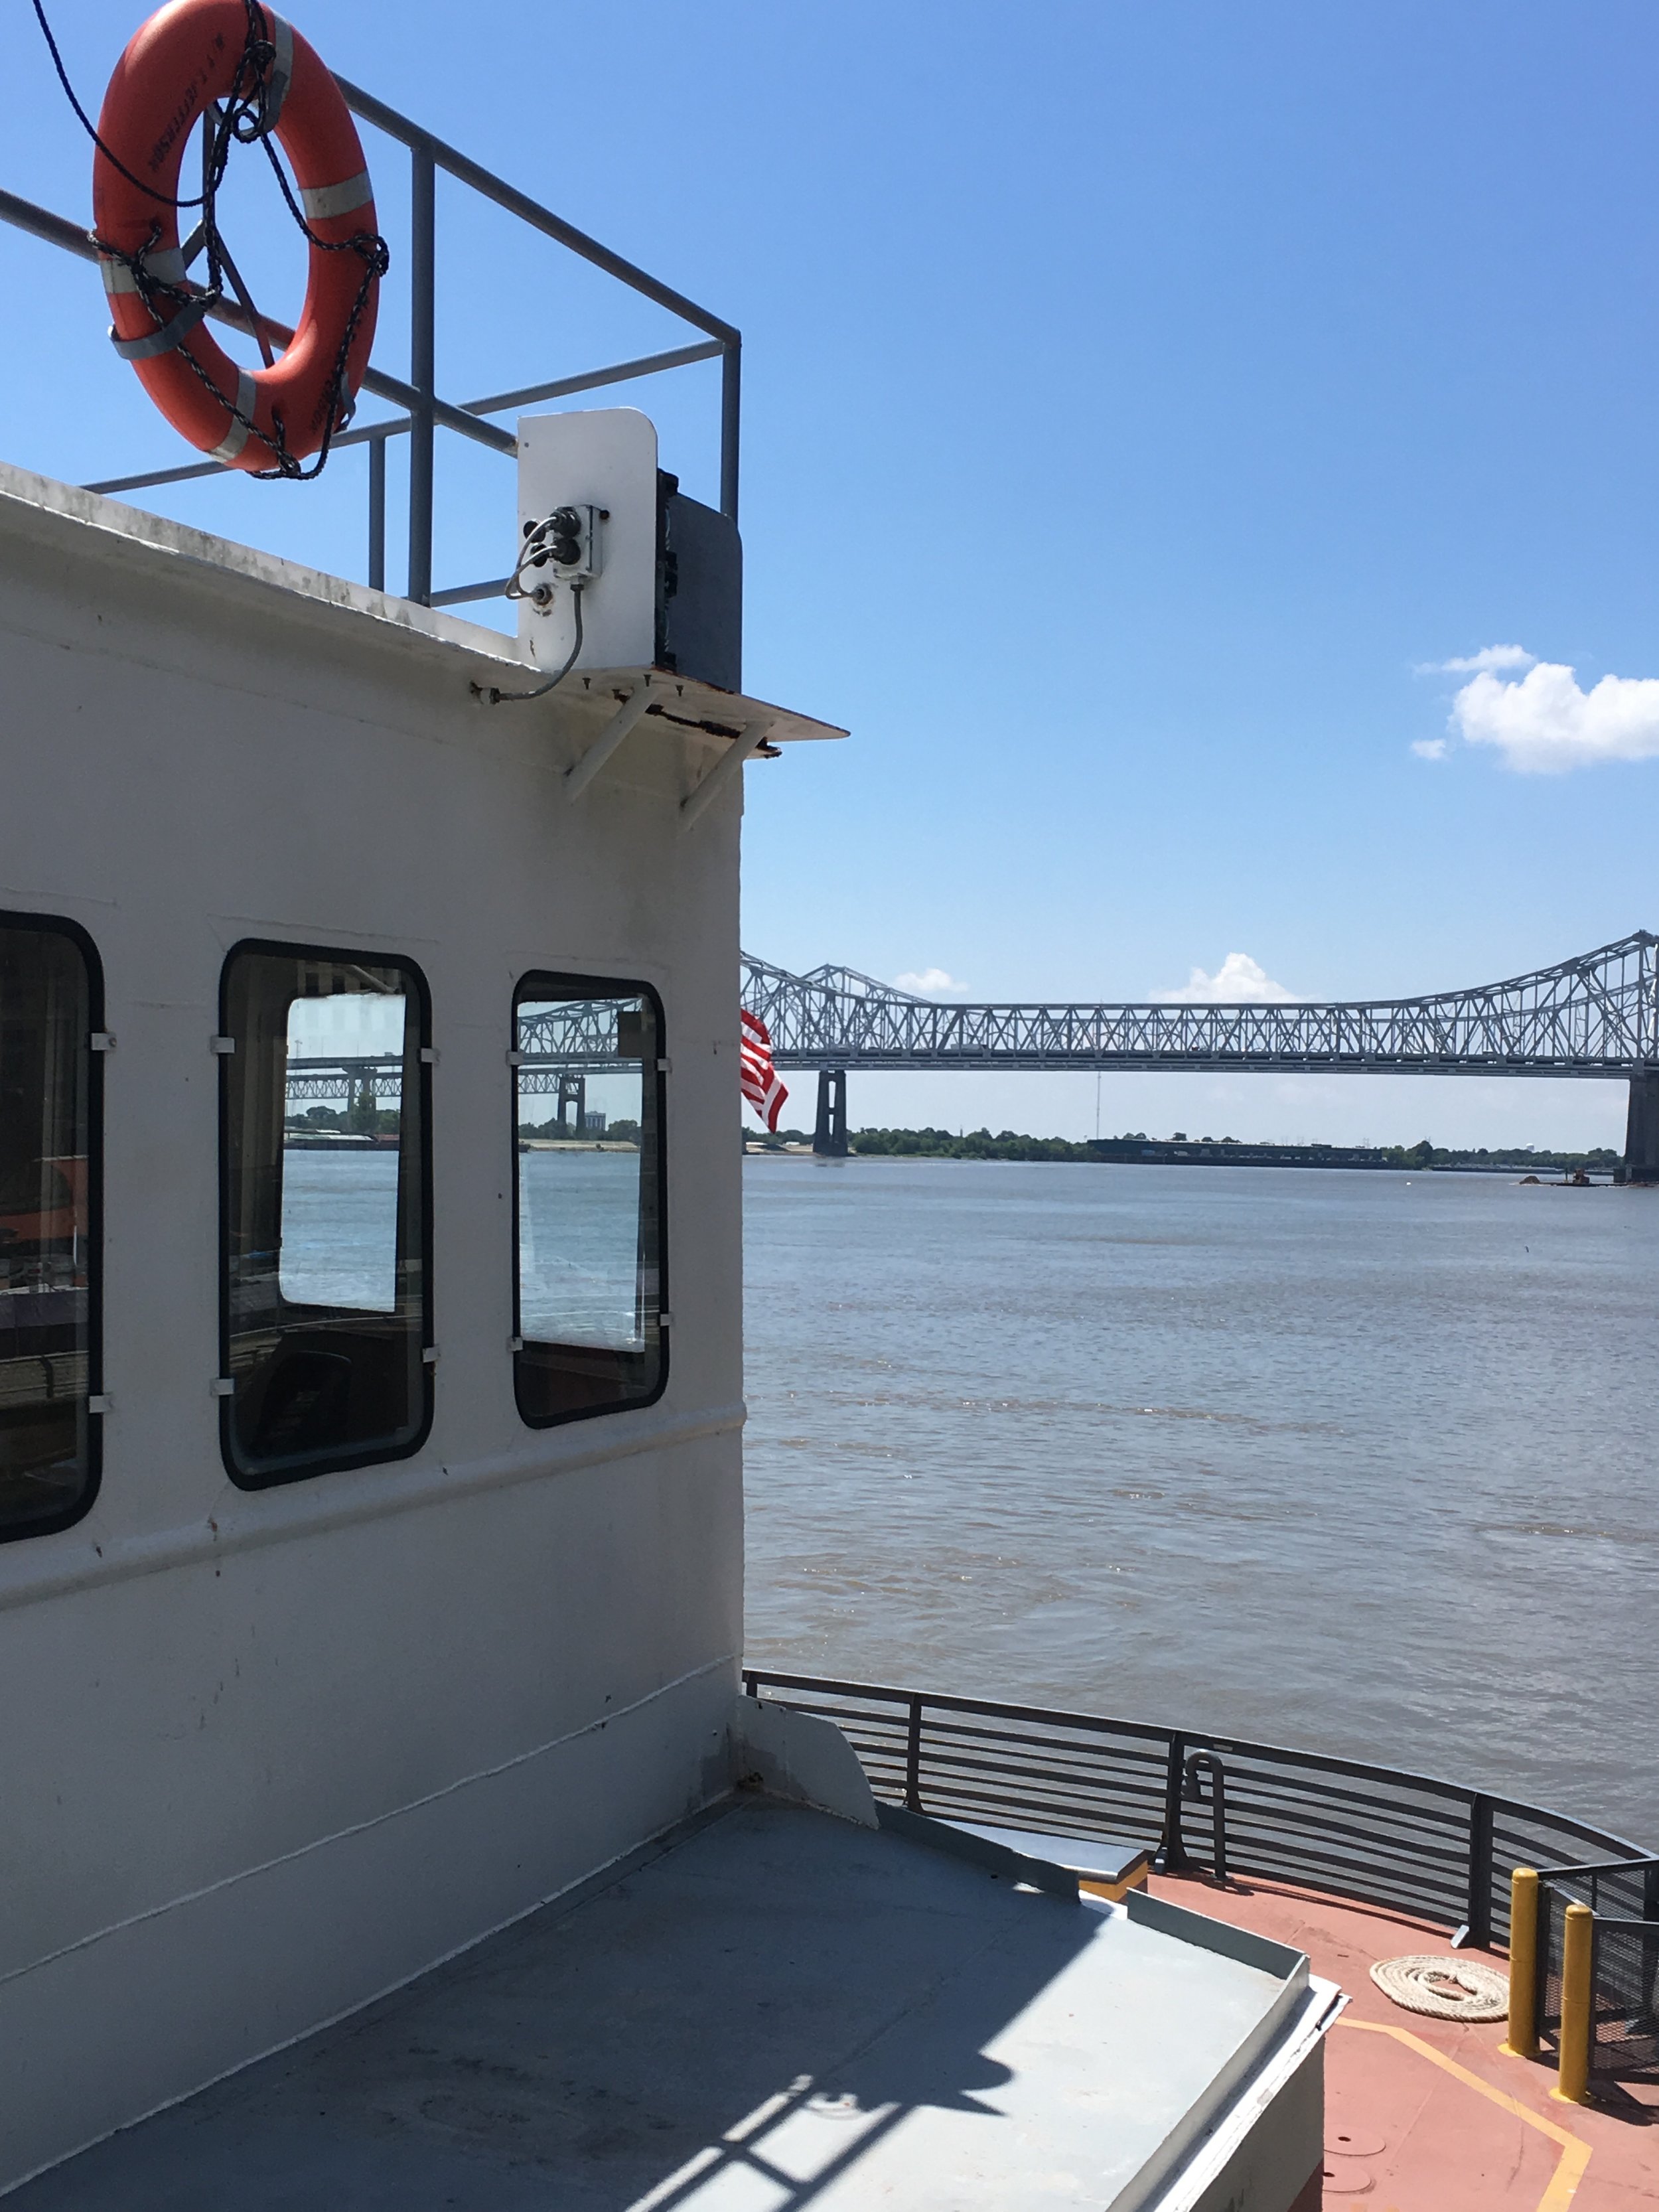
(1524, 1896)
(1577, 1941)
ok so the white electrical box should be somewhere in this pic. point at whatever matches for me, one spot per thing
(604, 460)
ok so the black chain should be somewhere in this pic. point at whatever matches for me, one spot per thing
(242, 121)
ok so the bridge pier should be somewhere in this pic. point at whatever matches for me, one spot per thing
(1641, 1162)
(573, 1091)
(830, 1138)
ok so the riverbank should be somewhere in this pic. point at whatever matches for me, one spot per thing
(1179, 1150)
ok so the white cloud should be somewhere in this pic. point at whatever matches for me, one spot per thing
(929, 983)
(1544, 724)
(1429, 748)
(1491, 661)
(1239, 981)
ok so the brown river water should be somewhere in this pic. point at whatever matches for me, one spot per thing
(1360, 1462)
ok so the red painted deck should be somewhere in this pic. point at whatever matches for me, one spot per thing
(1429, 2115)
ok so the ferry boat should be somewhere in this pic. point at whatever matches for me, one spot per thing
(391, 1820)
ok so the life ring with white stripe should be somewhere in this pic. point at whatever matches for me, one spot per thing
(190, 54)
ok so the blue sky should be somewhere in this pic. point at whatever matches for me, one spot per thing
(1137, 400)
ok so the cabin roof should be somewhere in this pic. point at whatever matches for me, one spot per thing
(775, 2006)
(94, 526)
(96, 533)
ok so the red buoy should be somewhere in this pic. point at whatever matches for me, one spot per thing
(189, 54)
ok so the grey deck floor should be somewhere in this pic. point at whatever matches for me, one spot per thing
(781, 2009)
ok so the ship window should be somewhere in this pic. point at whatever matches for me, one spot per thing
(327, 1265)
(50, 1005)
(590, 1210)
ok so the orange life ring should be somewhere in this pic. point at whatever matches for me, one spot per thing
(187, 55)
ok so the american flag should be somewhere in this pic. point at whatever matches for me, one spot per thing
(756, 1076)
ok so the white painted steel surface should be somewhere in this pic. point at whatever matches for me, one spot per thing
(601, 456)
(274, 1752)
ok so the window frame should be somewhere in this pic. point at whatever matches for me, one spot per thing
(376, 1454)
(568, 984)
(58, 925)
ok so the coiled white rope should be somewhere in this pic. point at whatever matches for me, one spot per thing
(1446, 1988)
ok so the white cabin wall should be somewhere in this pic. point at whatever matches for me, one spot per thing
(332, 1730)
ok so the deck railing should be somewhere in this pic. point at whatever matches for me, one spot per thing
(1406, 1843)
(423, 411)
(1619, 2026)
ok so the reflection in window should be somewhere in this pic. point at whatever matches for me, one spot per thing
(590, 1200)
(326, 1229)
(48, 1440)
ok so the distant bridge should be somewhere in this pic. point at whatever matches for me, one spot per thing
(381, 1075)
(1594, 1015)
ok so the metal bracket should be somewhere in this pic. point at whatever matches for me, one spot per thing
(103, 1403)
(581, 773)
(1197, 1764)
(429, 1055)
(101, 1041)
(221, 1045)
(429, 1355)
(729, 765)
(221, 1387)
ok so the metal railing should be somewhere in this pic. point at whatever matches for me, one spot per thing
(1406, 1843)
(424, 412)
(1620, 2026)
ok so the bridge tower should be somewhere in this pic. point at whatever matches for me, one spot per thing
(830, 1138)
(573, 1091)
(1642, 1129)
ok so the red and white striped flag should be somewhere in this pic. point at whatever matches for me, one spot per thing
(756, 1076)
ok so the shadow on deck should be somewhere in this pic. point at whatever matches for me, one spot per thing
(774, 2009)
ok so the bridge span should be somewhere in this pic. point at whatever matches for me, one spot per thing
(1596, 1016)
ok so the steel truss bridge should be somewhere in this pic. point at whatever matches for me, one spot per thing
(559, 1047)
(1594, 1015)
(328, 1082)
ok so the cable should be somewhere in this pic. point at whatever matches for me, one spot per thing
(532, 553)
(91, 127)
(492, 697)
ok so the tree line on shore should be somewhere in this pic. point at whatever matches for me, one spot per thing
(1010, 1145)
